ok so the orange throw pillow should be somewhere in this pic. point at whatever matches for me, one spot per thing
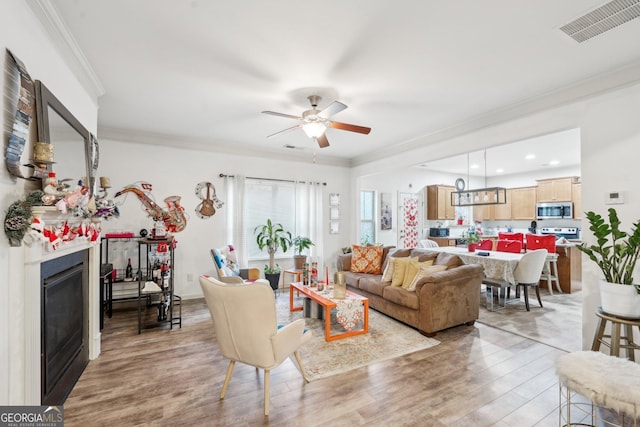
(366, 259)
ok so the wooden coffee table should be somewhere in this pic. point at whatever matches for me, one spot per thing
(329, 304)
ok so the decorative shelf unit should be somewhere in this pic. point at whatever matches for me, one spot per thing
(115, 250)
(159, 257)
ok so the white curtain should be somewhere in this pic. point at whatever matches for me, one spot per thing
(309, 214)
(235, 217)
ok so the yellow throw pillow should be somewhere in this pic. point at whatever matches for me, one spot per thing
(425, 272)
(366, 259)
(412, 269)
(398, 270)
(388, 271)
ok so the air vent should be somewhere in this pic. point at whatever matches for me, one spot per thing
(602, 19)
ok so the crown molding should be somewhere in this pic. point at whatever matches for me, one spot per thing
(199, 144)
(64, 40)
(595, 86)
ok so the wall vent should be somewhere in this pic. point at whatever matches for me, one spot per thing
(602, 19)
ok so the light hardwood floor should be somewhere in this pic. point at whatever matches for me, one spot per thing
(477, 376)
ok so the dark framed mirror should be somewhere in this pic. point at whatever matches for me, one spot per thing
(75, 148)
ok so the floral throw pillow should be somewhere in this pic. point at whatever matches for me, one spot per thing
(366, 259)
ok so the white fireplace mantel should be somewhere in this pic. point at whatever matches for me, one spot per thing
(25, 381)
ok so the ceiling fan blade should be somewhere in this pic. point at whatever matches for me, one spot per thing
(289, 116)
(322, 141)
(350, 128)
(334, 108)
(285, 130)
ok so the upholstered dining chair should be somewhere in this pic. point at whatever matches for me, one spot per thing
(428, 243)
(508, 235)
(514, 246)
(550, 270)
(244, 321)
(485, 245)
(527, 273)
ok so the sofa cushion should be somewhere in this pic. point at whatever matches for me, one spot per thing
(412, 269)
(401, 297)
(367, 259)
(424, 272)
(353, 279)
(373, 284)
(386, 252)
(400, 266)
(450, 260)
(388, 266)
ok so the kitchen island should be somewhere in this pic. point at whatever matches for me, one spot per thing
(569, 267)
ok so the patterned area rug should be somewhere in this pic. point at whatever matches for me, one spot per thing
(558, 323)
(387, 338)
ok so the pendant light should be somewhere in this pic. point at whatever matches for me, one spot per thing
(480, 196)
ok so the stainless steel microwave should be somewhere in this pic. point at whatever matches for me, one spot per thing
(554, 210)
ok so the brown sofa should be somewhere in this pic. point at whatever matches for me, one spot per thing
(445, 299)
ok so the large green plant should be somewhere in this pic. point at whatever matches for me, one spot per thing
(616, 252)
(272, 236)
(301, 243)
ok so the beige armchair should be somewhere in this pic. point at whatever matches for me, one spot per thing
(244, 321)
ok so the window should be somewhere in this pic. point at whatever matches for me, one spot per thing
(367, 217)
(264, 200)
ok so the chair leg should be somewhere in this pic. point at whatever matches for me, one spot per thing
(267, 375)
(538, 294)
(300, 365)
(526, 296)
(232, 363)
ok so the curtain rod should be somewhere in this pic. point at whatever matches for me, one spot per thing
(222, 175)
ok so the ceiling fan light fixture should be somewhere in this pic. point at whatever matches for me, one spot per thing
(314, 129)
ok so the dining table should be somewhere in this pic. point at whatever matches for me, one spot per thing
(497, 265)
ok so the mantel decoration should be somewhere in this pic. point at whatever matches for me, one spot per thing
(20, 132)
(25, 219)
(616, 252)
(173, 219)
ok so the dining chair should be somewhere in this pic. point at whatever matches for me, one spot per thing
(246, 328)
(485, 245)
(527, 273)
(428, 243)
(550, 270)
(507, 235)
(514, 246)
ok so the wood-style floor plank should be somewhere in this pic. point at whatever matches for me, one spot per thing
(476, 376)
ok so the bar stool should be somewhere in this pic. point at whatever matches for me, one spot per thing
(615, 337)
(550, 272)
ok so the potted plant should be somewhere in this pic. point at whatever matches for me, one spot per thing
(300, 244)
(272, 236)
(616, 253)
(471, 239)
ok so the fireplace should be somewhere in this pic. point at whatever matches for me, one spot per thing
(65, 326)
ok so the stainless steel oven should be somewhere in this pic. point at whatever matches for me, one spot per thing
(555, 210)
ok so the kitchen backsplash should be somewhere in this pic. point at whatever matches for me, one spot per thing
(491, 228)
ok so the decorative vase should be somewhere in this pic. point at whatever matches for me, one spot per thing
(620, 300)
(471, 247)
(340, 285)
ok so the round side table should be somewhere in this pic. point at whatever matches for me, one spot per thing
(614, 339)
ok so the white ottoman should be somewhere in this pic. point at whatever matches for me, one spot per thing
(606, 381)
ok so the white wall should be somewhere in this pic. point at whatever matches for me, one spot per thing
(21, 32)
(174, 171)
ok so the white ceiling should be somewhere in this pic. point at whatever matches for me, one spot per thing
(198, 73)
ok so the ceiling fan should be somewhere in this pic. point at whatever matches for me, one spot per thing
(314, 122)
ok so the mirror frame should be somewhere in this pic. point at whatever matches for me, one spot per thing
(46, 99)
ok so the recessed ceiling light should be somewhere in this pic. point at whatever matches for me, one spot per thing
(553, 162)
(499, 170)
(474, 166)
(530, 156)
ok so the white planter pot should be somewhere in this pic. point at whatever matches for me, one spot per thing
(620, 300)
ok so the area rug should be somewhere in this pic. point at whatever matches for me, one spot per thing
(387, 338)
(558, 323)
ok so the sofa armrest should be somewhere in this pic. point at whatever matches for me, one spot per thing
(344, 262)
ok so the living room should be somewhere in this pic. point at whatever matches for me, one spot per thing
(604, 108)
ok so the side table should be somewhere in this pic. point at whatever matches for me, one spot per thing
(297, 276)
(615, 337)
